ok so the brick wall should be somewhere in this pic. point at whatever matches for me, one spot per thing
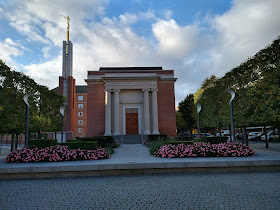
(166, 109)
(82, 110)
(70, 109)
(96, 109)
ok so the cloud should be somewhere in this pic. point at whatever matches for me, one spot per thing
(174, 40)
(10, 49)
(46, 73)
(210, 45)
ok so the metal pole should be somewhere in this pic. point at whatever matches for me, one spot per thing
(62, 130)
(198, 125)
(26, 125)
(232, 121)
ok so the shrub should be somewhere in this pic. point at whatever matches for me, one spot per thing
(229, 149)
(179, 142)
(183, 138)
(41, 143)
(214, 139)
(101, 140)
(86, 145)
(157, 137)
(57, 153)
(154, 146)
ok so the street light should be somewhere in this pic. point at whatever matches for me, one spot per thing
(62, 108)
(231, 112)
(25, 98)
(198, 108)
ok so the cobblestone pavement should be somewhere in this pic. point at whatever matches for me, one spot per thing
(254, 190)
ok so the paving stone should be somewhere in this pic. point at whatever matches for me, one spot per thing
(243, 190)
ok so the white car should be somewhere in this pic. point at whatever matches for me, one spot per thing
(272, 133)
(252, 135)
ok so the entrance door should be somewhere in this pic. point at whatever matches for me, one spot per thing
(131, 120)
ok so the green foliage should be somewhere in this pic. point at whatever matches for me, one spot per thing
(86, 145)
(256, 83)
(187, 111)
(156, 145)
(157, 137)
(41, 143)
(214, 139)
(180, 142)
(183, 138)
(44, 103)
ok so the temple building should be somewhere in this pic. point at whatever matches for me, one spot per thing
(117, 101)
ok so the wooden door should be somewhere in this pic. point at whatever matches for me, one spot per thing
(131, 119)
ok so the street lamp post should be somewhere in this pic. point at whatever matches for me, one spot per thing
(198, 108)
(62, 108)
(231, 112)
(25, 98)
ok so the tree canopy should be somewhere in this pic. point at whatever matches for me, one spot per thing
(44, 103)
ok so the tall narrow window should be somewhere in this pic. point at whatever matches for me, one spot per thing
(80, 98)
(80, 114)
(80, 130)
(80, 122)
(80, 106)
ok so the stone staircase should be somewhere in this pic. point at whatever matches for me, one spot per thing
(132, 139)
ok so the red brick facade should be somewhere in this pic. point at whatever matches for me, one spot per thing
(96, 109)
(81, 115)
(166, 109)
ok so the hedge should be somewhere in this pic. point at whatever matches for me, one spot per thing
(157, 137)
(41, 143)
(180, 142)
(101, 140)
(86, 145)
(183, 138)
(214, 139)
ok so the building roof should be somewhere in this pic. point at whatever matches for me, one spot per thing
(81, 89)
(107, 69)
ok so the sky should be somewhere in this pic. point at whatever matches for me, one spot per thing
(195, 38)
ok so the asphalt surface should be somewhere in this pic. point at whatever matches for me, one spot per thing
(246, 190)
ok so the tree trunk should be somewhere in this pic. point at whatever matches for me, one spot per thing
(266, 140)
(246, 136)
(12, 141)
(242, 138)
(215, 132)
(39, 136)
(16, 143)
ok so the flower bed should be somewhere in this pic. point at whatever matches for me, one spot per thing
(55, 154)
(201, 149)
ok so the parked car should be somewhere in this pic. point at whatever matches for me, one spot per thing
(259, 136)
(252, 135)
(270, 136)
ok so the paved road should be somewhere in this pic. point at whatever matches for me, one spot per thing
(258, 190)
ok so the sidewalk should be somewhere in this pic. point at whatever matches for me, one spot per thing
(135, 159)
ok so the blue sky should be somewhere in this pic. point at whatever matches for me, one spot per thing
(196, 38)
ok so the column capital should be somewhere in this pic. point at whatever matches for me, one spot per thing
(116, 90)
(145, 89)
(108, 90)
(154, 89)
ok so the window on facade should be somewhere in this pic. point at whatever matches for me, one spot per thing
(80, 122)
(80, 114)
(80, 130)
(80, 98)
(80, 106)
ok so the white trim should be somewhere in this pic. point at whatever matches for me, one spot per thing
(139, 117)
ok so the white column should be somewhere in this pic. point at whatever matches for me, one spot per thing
(116, 112)
(155, 111)
(108, 117)
(147, 130)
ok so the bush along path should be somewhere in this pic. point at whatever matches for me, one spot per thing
(202, 149)
(55, 154)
